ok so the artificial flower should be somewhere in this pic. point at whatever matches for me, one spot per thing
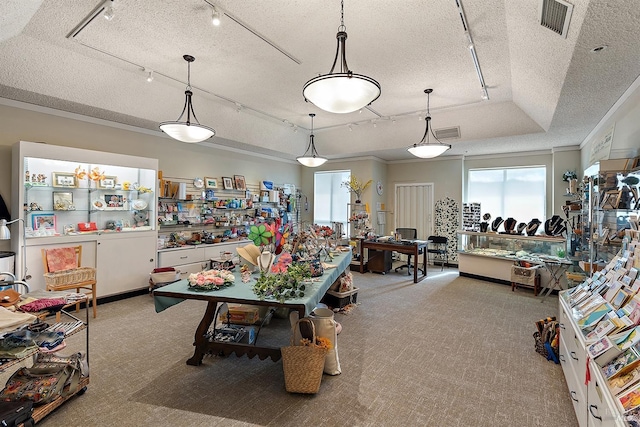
(210, 279)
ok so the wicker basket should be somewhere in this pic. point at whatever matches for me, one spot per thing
(68, 277)
(303, 365)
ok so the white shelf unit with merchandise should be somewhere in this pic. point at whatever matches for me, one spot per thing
(113, 217)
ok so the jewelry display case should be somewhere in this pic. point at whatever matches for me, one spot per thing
(491, 255)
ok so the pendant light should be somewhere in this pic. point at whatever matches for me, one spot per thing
(187, 131)
(425, 149)
(344, 91)
(311, 158)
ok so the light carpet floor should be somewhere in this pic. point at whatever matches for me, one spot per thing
(448, 351)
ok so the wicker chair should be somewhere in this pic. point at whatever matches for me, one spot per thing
(70, 276)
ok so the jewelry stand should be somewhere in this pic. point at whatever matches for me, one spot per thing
(495, 225)
(532, 227)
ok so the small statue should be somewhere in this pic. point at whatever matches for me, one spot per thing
(26, 176)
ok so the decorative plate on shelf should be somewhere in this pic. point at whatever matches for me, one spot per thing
(98, 204)
(139, 204)
(198, 183)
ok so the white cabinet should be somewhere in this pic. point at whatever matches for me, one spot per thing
(124, 263)
(593, 403)
(192, 259)
(61, 205)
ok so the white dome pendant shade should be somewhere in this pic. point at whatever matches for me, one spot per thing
(311, 158)
(341, 92)
(188, 131)
(426, 149)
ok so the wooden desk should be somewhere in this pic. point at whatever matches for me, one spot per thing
(409, 249)
(242, 293)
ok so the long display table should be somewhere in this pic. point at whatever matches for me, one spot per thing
(242, 293)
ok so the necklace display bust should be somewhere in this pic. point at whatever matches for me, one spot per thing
(532, 227)
(510, 225)
(521, 227)
(496, 224)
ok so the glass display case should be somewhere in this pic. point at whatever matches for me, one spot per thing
(510, 246)
(66, 198)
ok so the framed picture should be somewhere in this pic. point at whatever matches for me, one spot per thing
(44, 221)
(210, 182)
(240, 184)
(227, 183)
(62, 201)
(64, 179)
(107, 182)
(114, 200)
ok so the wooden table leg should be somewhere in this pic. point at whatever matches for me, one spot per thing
(416, 257)
(200, 340)
(361, 258)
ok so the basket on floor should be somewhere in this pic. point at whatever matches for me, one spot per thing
(303, 365)
(67, 277)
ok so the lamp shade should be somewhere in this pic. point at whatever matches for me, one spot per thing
(312, 162)
(187, 132)
(341, 92)
(5, 234)
(190, 131)
(428, 151)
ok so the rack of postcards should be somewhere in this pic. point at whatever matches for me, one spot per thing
(604, 312)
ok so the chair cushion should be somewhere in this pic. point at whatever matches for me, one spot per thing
(61, 259)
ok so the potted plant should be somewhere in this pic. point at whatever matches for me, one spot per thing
(356, 187)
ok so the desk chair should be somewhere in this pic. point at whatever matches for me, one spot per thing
(63, 271)
(438, 247)
(407, 234)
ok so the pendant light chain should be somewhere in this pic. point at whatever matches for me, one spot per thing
(342, 27)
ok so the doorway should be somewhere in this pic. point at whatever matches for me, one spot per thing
(414, 208)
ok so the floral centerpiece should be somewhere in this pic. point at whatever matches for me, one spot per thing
(209, 280)
(356, 187)
(569, 175)
(283, 285)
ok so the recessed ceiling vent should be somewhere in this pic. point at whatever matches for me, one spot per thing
(447, 133)
(555, 15)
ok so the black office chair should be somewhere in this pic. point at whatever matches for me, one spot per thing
(438, 247)
(407, 234)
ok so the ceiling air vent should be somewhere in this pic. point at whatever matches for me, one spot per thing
(447, 133)
(555, 15)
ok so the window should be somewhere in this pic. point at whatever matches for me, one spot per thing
(330, 198)
(519, 193)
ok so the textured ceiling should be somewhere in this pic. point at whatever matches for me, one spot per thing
(545, 90)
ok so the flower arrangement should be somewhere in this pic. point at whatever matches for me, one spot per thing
(210, 280)
(321, 342)
(283, 285)
(274, 234)
(356, 187)
(569, 175)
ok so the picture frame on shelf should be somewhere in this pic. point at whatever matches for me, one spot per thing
(114, 201)
(227, 183)
(210, 182)
(240, 183)
(64, 179)
(107, 183)
(45, 221)
(62, 201)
